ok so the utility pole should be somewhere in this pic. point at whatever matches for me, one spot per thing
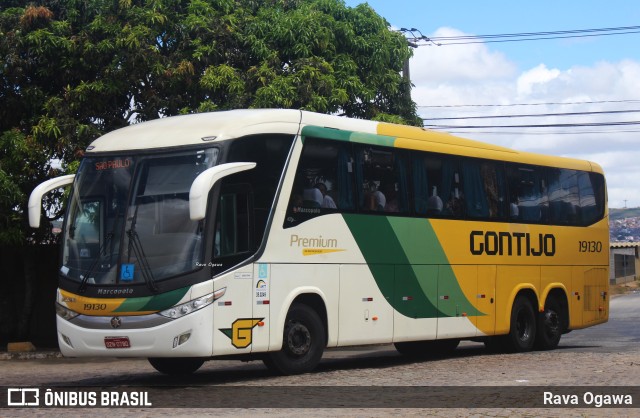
(411, 41)
(413, 36)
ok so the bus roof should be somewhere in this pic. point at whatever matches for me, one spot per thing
(201, 128)
(197, 129)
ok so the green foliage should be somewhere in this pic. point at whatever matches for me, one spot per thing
(22, 166)
(71, 70)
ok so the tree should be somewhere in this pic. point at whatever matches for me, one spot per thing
(71, 70)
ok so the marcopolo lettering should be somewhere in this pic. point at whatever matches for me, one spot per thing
(115, 292)
(512, 243)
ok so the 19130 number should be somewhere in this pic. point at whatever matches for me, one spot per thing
(590, 246)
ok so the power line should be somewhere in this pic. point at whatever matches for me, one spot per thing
(523, 36)
(532, 104)
(547, 133)
(431, 42)
(550, 125)
(416, 36)
(607, 112)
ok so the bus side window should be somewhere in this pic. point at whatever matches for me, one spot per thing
(427, 185)
(323, 181)
(528, 193)
(269, 152)
(371, 166)
(483, 189)
(589, 211)
(437, 186)
(233, 224)
(382, 180)
(451, 191)
(564, 203)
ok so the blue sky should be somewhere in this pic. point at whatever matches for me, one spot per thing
(498, 17)
(588, 74)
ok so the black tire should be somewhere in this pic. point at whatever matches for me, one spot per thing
(176, 366)
(550, 325)
(436, 348)
(303, 342)
(522, 334)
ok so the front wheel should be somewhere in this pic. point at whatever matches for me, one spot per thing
(303, 342)
(176, 366)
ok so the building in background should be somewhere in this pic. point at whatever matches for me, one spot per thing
(624, 262)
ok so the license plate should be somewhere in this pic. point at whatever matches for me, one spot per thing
(117, 342)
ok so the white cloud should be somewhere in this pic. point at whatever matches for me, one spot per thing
(474, 74)
(463, 63)
(534, 79)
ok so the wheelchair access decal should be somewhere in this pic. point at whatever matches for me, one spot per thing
(126, 272)
(241, 331)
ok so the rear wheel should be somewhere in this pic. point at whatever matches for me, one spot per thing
(522, 334)
(550, 325)
(303, 342)
(176, 366)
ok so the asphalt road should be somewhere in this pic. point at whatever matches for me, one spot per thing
(607, 355)
(620, 334)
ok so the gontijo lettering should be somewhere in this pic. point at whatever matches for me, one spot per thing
(512, 243)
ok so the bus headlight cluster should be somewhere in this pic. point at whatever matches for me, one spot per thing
(65, 313)
(191, 306)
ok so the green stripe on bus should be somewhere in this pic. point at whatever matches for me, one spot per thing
(327, 133)
(153, 303)
(409, 266)
(372, 139)
(348, 136)
(422, 247)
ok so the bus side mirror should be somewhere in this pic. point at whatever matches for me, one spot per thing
(35, 200)
(204, 182)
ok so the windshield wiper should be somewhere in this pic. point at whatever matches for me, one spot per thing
(85, 277)
(136, 245)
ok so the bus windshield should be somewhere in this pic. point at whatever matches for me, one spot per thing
(128, 220)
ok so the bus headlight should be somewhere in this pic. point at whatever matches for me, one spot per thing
(65, 313)
(192, 306)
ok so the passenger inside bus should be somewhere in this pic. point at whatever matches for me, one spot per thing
(327, 200)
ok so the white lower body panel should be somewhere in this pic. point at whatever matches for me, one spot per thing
(159, 341)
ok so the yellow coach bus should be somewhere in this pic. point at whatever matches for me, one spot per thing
(274, 234)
